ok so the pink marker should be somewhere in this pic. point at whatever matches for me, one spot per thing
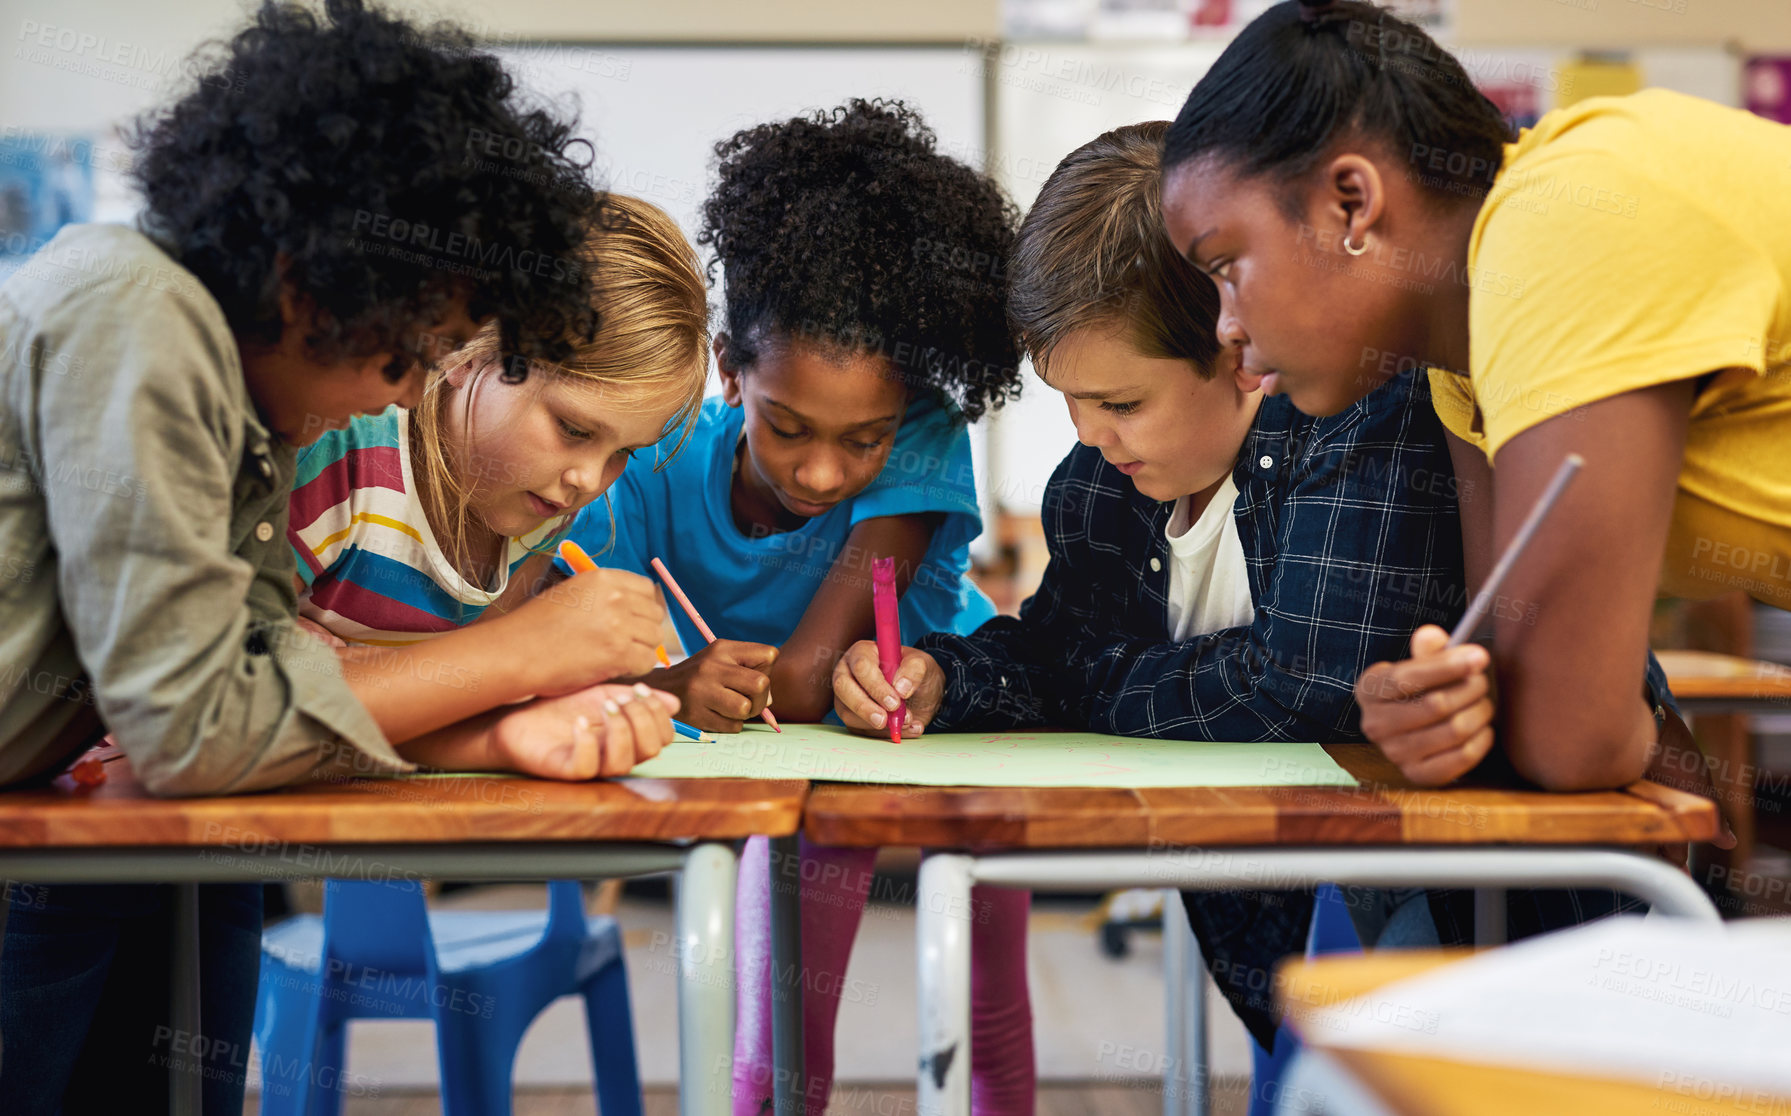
(889, 633)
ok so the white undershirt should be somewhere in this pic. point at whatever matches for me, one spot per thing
(1209, 589)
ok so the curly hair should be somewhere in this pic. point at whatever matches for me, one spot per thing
(387, 174)
(846, 227)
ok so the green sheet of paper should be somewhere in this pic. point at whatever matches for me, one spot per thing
(994, 759)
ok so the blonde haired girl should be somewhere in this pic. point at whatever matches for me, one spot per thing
(408, 525)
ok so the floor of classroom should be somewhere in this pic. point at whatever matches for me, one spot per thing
(1139, 1098)
(1098, 1020)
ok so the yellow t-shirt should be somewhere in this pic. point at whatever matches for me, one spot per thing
(1634, 241)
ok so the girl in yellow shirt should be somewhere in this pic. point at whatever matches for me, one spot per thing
(1615, 282)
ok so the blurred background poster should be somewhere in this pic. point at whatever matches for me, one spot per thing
(1171, 19)
(46, 181)
(1767, 86)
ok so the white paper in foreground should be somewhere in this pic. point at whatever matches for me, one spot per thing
(1692, 1009)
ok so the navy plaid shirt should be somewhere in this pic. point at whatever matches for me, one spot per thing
(1351, 538)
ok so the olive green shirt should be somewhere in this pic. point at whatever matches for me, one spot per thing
(146, 584)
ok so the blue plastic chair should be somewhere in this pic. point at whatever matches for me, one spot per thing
(1331, 932)
(482, 976)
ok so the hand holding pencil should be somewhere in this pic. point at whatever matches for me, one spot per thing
(870, 701)
(599, 625)
(720, 686)
(879, 685)
(724, 683)
(1432, 714)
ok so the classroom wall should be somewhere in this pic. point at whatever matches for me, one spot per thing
(1754, 26)
(59, 71)
(58, 89)
(794, 21)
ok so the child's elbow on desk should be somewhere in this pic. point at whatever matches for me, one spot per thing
(168, 773)
(1596, 746)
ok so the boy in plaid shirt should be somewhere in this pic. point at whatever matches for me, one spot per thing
(1222, 566)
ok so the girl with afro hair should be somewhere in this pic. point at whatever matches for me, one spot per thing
(864, 277)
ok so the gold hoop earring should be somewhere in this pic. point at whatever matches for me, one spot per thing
(1351, 249)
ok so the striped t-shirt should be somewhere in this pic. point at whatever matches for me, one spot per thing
(372, 570)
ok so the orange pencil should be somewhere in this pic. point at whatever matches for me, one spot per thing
(671, 583)
(580, 562)
(575, 556)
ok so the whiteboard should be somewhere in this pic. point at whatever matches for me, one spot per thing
(655, 113)
(1051, 98)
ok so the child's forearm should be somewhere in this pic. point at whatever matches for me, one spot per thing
(840, 613)
(802, 681)
(411, 691)
(463, 746)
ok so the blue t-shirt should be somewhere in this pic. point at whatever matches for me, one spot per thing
(756, 589)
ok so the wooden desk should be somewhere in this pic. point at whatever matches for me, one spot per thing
(422, 810)
(475, 827)
(1410, 1085)
(1384, 810)
(1717, 693)
(1384, 833)
(1706, 683)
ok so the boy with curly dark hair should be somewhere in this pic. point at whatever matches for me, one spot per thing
(333, 204)
(864, 276)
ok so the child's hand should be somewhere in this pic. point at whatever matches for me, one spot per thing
(723, 685)
(319, 631)
(864, 698)
(594, 626)
(598, 731)
(1432, 713)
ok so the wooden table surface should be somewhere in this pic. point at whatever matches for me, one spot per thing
(1414, 1085)
(404, 811)
(1717, 693)
(1384, 810)
(1707, 675)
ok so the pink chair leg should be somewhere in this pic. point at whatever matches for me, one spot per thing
(833, 886)
(1003, 1076)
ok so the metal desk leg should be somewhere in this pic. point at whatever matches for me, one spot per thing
(790, 1081)
(1668, 890)
(705, 953)
(1185, 1074)
(1175, 1005)
(942, 924)
(184, 1078)
(1489, 916)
